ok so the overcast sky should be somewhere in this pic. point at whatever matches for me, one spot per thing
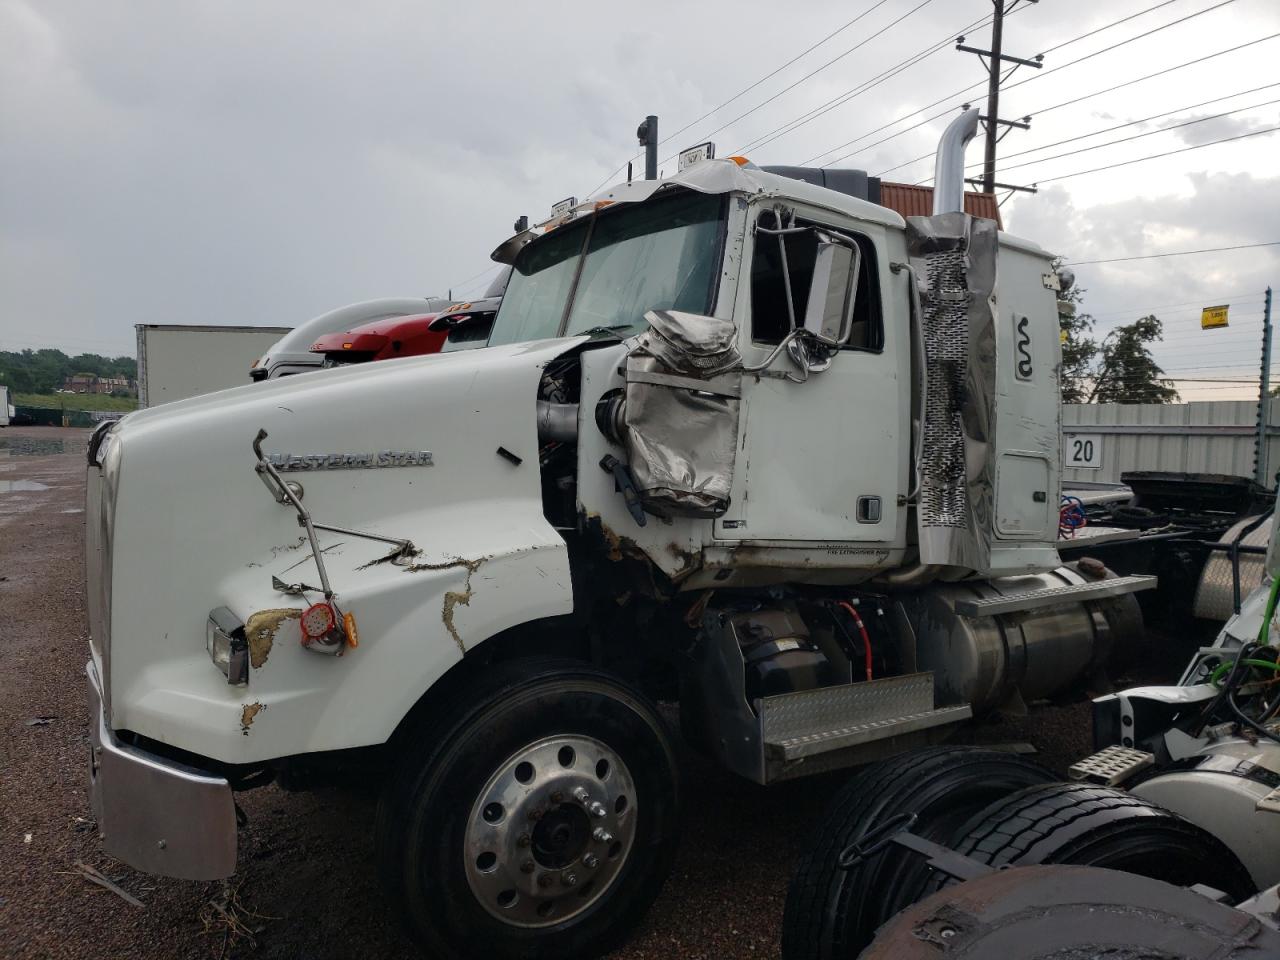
(259, 163)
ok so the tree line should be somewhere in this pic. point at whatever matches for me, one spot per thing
(44, 371)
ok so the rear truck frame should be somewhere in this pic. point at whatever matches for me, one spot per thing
(738, 442)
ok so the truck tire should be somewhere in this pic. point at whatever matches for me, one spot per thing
(539, 818)
(1095, 826)
(1057, 912)
(832, 912)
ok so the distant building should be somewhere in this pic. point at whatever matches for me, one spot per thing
(89, 383)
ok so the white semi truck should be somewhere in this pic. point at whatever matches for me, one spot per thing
(739, 442)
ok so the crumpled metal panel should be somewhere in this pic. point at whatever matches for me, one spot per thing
(682, 413)
(954, 259)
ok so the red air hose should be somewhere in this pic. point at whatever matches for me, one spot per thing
(862, 629)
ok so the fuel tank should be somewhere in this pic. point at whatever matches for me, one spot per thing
(1025, 655)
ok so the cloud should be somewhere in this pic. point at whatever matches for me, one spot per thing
(1206, 128)
(206, 162)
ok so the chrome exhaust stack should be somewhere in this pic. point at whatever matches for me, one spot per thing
(948, 165)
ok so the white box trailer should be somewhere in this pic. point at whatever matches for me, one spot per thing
(177, 361)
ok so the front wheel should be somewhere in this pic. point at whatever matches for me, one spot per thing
(534, 817)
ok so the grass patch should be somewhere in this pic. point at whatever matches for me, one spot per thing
(73, 401)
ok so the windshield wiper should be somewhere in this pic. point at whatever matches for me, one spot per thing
(607, 331)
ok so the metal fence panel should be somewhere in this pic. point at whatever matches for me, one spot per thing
(1204, 437)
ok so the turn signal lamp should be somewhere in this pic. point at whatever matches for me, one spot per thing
(317, 620)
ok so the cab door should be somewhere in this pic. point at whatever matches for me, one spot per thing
(822, 460)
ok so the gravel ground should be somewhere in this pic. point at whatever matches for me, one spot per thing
(306, 868)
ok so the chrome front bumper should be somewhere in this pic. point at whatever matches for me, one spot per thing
(157, 815)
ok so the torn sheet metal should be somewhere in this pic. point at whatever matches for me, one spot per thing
(682, 413)
(954, 258)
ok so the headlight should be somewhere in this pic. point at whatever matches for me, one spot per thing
(228, 649)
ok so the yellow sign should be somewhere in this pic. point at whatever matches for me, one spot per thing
(1211, 317)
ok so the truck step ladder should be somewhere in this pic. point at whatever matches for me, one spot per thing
(805, 726)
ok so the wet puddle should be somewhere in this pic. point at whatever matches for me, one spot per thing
(31, 446)
(21, 486)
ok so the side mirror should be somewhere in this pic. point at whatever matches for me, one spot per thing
(833, 293)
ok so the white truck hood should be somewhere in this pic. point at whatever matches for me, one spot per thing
(196, 529)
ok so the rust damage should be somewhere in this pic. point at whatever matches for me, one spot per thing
(618, 548)
(248, 714)
(260, 631)
(452, 598)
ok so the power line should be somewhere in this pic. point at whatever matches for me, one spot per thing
(1121, 126)
(807, 76)
(1122, 43)
(853, 92)
(1157, 156)
(774, 73)
(1151, 76)
(748, 89)
(1088, 96)
(1138, 136)
(1116, 23)
(1044, 73)
(1179, 253)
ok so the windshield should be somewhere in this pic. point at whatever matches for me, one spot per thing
(609, 269)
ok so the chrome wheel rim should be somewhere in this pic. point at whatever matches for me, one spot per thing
(550, 831)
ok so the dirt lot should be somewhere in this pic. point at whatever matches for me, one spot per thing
(306, 869)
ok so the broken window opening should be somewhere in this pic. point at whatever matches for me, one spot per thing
(770, 321)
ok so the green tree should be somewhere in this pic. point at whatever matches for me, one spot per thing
(1079, 349)
(43, 371)
(1126, 372)
(1117, 369)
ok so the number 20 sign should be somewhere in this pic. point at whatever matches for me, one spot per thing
(1082, 451)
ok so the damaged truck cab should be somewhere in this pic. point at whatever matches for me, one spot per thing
(738, 441)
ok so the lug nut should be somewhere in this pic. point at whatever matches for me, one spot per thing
(527, 866)
(597, 810)
(557, 797)
(524, 840)
(591, 861)
(569, 879)
(544, 881)
(580, 794)
(601, 835)
(535, 813)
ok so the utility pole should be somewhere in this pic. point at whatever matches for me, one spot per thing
(1264, 401)
(994, 60)
(647, 134)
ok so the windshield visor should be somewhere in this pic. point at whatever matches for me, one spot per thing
(606, 271)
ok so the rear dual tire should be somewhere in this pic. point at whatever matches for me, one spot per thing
(833, 913)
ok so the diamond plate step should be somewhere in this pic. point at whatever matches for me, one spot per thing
(798, 725)
(796, 748)
(1076, 592)
(1111, 765)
